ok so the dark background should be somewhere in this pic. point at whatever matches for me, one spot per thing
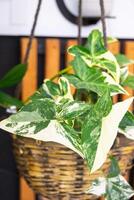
(9, 182)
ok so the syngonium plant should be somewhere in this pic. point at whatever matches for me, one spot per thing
(87, 121)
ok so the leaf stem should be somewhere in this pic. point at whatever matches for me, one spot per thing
(63, 71)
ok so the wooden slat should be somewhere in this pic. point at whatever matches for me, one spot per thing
(29, 85)
(25, 191)
(68, 56)
(114, 47)
(129, 51)
(52, 61)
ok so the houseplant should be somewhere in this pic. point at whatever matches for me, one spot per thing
(88, 122)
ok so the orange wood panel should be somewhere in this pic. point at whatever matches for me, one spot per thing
(129, 51)
(52, 61)
(68, 56)
(29, 83)
(114, 47)
(25, 191)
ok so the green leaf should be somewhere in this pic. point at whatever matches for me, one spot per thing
(112, 70)
(95, 44)
(92, 79)
(81, 68)
(129, 81)
(92, 128)
(97, 137)
(74, 109)
(115, 188)
(53, 88)
(78, 50)
(14, 76)
(33, 117)
(108, 65)
(57, 91)
(123, 74)
(123, 60)
(118, 188)
(114, 168)
(7, 101)
(126, 126)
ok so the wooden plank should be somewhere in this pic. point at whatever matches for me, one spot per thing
(114, 47)
(52, 61)
(129, 52)
(29, 85)
(26, 192)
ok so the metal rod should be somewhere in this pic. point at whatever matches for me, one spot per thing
(103, 20)
(79, 21)
(29, 45)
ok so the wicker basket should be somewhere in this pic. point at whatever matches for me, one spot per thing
(56, 172)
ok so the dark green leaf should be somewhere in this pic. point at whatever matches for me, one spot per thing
(79, 51)
(53, 88)
(127, 125)
(128, 120)
(114, 168)
(81, 68)
(7, 101)
(129, 81)
(14, 76)
(95, 44)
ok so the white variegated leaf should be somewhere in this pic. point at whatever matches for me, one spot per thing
(109, 131)
(54, 132)
(115, 188)
(128, 132)
(109, 56)
(98, 187)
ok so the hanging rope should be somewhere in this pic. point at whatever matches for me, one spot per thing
(102, 7)
(29, 45)
(79, 21)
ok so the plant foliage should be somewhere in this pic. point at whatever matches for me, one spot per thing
(86, 122)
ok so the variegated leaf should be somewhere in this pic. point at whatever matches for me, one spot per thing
(126, 126)
(109, 131)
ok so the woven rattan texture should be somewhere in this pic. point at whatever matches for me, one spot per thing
(58, 173)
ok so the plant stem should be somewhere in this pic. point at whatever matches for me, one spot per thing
(63, 71)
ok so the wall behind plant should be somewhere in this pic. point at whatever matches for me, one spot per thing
(16, 17)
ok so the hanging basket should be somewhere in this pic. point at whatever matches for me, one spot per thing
(56, 172)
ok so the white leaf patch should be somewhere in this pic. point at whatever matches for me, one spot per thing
(128, 132)
(53, 133)
(109, 131)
